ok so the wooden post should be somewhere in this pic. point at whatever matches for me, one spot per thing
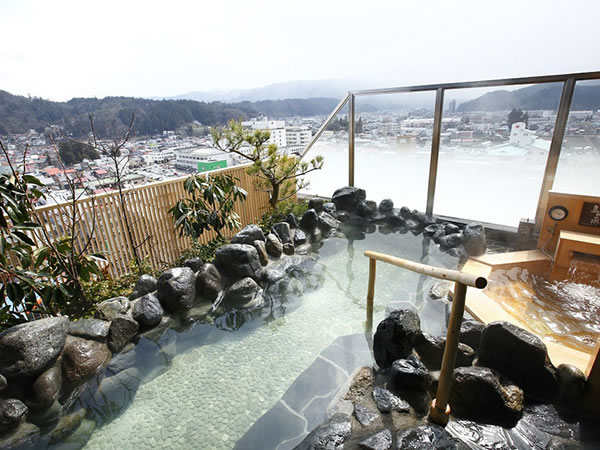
(440, 411)
(371, 293)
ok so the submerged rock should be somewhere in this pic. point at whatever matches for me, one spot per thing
(379, 441)
(430, 437)
(144, 285)
(478, 394)
(238, 261)
(329, 435)
(410, 374)
(67, 425)
(176, 289)
(396, 336)
(25, 436)
(450, 241)
(519, 355)
(387, 402)
(29, 348)
(248, 235)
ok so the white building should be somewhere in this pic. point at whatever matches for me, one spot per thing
(276, 127)
(189, 157)
(298, 136)
(159, 155)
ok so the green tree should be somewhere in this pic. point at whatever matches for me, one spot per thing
(275, 173)
(359, 126)
(209, 206)
(516, 115)
(72, 152)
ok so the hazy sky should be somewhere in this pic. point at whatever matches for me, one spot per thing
(60, 49)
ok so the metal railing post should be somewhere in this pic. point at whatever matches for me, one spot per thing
(440, 411)
(371, 293)
(554, 154)
(435, 149)
(351, 140)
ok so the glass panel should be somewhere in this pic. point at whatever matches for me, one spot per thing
(393, 146)
(493, 152)
(579, 164)
(333, 147)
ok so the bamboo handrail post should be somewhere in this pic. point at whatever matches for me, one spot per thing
(440, 411)
(371, 293)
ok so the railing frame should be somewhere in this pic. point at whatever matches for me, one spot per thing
(569, 81)
(440, 410)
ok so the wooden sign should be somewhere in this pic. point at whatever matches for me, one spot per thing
(590, 215)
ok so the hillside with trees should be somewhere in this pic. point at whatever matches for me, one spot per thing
(542, 96)
(112, 114)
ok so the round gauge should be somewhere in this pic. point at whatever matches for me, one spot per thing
(558, 212)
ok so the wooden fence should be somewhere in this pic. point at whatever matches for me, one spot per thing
(152, 226)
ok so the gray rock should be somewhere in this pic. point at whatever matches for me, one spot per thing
(95, 329)
(394, 219)
(316, 204)
(244, 293)
(144, 285)
(519, 355)
(330, 435)
(474, 240)
(379, 441)
(327, 222)
(348, 198)
(450, 241)
(78, 438)
(342, 216)
(405, 212)
(430, 437)
(3, 383)
(471, 332)
(299, 237)
(387, 402)
(288, 248)
(248, 235)
(238, 261)
(122, 329)
(386, 205)
(12, 413)
(292, 220)
(431, 230)
(29, 348)
(410, 374)
(67, 425)
(364, 415)
(83, 358)
(25, 436)
(571, 384)
(147, 311)
(439, 289)
(283, 231)
(309, 220)
(274, 246)
(114, 394)
(108, 309)
(176, 288)
(450, 228)
(45, 418)
(47, 386)
(208, 282)
(122, 361)
(395, 337)
(193, 263)
(478, 394)
(261, 249)
(366, 208)
(431, 351)
(330, 208)
(303, 249)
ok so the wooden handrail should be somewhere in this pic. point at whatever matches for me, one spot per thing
(440, 410)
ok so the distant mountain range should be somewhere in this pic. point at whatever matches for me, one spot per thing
(540, 96)
(112, 114)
